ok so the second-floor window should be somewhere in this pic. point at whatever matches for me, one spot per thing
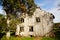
(37, 19)
(22, 20)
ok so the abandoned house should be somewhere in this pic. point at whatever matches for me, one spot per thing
(39, 24)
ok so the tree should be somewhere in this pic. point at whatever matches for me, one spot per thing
(3, 23)
(12, 6)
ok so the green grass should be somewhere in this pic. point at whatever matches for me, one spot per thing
(26, 38)
(17, 38)
(48, 38)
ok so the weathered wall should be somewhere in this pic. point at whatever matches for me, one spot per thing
(39, 29)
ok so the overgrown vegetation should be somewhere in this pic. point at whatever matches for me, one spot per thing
(17, 38)
(57, 30)
(28, 38)
(3, 23)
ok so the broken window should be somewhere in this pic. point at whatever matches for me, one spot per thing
(21, 29)
(31, 28)
(22, 20)
(37, 19)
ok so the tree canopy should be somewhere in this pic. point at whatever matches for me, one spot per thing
(12, 6)
(3, 23)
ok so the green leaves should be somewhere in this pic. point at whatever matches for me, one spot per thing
(11, 6)
(3, 23)
(13, 24)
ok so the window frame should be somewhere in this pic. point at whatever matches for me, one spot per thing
(37, 19)
(30, 28)
(22, 20)
(21, 29)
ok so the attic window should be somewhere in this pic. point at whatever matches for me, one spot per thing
(53, 16)
(21, 29)
(22, 20)
(31, 28)
(37, 19)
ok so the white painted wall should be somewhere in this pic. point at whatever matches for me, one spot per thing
(39, 29)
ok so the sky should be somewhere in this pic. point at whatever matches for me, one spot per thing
(47, 5)
(50, 6)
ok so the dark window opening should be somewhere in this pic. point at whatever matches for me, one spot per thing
(31, 28)
(37, 19)
(22, 20)
(21, 29)
(53, 16)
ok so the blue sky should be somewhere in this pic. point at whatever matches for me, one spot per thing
(49, 6)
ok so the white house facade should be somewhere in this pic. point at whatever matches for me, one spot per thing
(39, 24)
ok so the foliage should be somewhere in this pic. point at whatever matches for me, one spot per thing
(28, 38)
(13, 24)
(17, 38)
(12, 6)
(56, 27)
(56, 24)
(3, 23)
(57, 30)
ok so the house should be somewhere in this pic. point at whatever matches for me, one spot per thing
(39, 24)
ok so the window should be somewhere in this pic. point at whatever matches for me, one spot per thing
(53, 16)
(50, 17)
(22, 20)
(37, 19)
(31, 28)
(21, 29)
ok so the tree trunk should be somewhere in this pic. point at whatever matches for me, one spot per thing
(17, 30)
(8, 30)
(8, 34)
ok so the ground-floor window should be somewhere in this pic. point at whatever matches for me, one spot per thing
(21, 29)
(31, 28)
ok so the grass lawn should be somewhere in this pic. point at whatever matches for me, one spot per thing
(28, 38)
(17, 38)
